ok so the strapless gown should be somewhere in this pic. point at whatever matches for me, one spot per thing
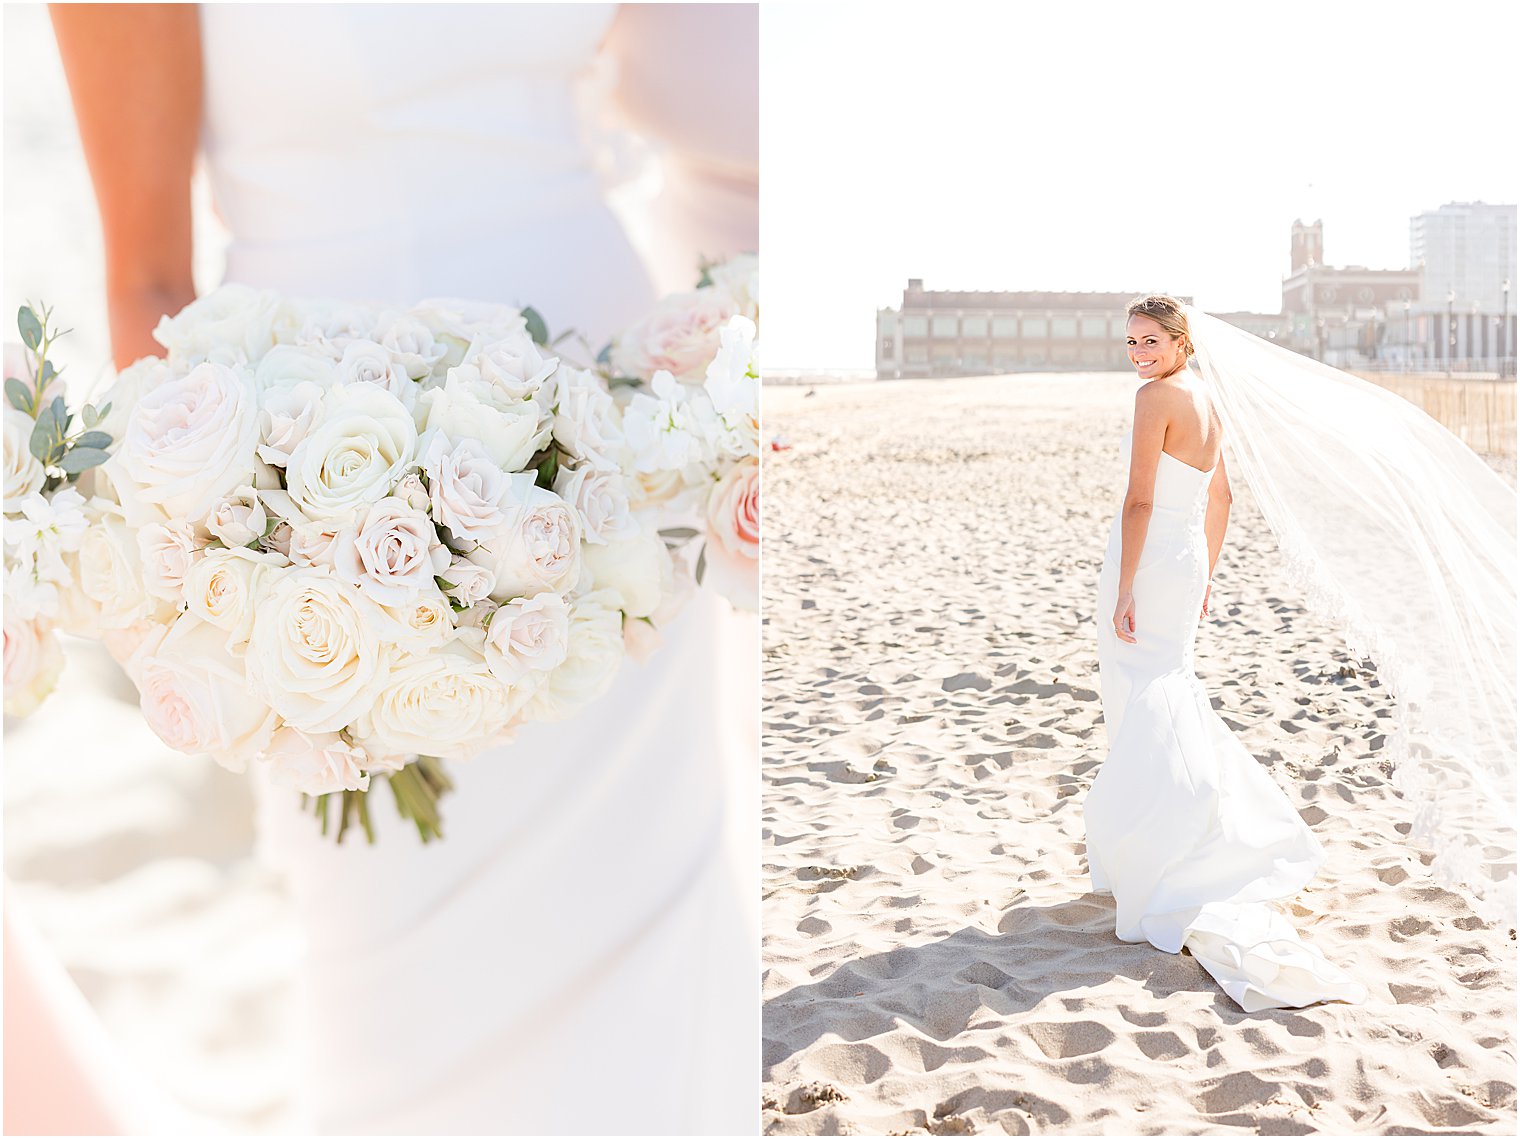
(1184, 828)
(580, 953)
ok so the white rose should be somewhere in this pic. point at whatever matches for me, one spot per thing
(110, 571)
(23, 473)
(234, 318)
(529, 635)
(739, 279)
(680, 337)
(322, 325)
(538, 546)
(601, 500)
(195, 697)
(286, 416)
(444, 703)
(651, 488)
(189, 442)
(587, 422)
(471, 583)
(365, 362)
(411, 491)
(315, 653)
(168, 551)
(315, 764)
(592, 659)
(514, 366)
(287, 366)
(636, 572)
(393, 553)
(467, 487)
(314, 543)
(458, 323)
(472, 405)
(33, 660)
(132, 383)
(360, 449)
(238, 519)
(419, 625)
(410, 343)
(224, 589)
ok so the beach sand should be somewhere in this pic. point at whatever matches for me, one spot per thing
(935, 960)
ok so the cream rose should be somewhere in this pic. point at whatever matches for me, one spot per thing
(287, 366)
(444, 703)
(188, 443)
(679, 337)
(600, 499)
(168, 550)
(528, 636)
(33, 660)
(635, 572)
(467, 487)
(195, 697)
(361, 447)
(315, 653)
(224, 588)
(286, 415)
(482, 401)
(315, 764)
(314, 543)
(410, 343)
(592, 659)
(419, 625)
(234, 318)
(587, 423)
(470, 582)
(23, 473)
(739, 279)
(538, 546)
(239, 518)
(109, 571)
(365, 362)
(392, 554)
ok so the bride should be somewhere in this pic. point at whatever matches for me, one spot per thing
(1186, 831)
(579, 953)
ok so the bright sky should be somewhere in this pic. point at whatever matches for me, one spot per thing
(1108, 146)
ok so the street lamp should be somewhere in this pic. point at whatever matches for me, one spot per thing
(1451, 328)
(1408, 349)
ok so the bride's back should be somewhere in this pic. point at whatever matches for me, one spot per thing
(1194, 434)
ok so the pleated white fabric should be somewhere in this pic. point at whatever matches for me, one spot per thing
(579, 954)
(1185, 828)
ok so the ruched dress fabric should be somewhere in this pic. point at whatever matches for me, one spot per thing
(1184, 828)
(579, 953)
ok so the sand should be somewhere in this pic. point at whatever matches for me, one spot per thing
(934, 958)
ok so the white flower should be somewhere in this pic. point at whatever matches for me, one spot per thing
(538, 546)
(33, 660)
(733, 386)
(24, 475)
(419, 625)
(733, 535)
(224, 589)
(235, 318)
(739, 279)
(26, 596)
(360, 449)
(110, 571)
(483, 399)
(592, 659)
(601, 500)
(315, 764)
(131, 384)
(392, 554)
(288, 366)
(168, 551)
(313, 543)
(444, 703)
(46, 530)
(635, 572)
(365, 362)
(188, 443)
(194, 696)
(514, 366)
(239, 518)
(671, 429)
(467, 487)
(680, 337)
(316, 654)
(322, 325)
(410, 343)
(471, 582)
(586, 419)
(411, 491)
(286, 416)
(529, 635)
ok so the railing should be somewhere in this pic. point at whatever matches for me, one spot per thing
(1476, 407)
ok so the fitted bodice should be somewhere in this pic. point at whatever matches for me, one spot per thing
(396, 152)
(1180, 487)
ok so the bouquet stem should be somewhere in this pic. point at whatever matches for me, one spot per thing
(417, 788)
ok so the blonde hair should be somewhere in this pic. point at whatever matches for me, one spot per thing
(1165, 311)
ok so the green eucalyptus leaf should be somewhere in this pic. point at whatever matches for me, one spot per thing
(48, 372)
(679, 532)
(604, 357)
(90, 415)
(81, 459)
(41, 442)
(96, 439)
(536, 327)
(701, 565)
(30, 326)
(104, 411)
(18, 395)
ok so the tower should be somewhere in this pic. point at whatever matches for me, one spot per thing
(1308, 245)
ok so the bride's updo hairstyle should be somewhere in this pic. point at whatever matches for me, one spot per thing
(1165, 311)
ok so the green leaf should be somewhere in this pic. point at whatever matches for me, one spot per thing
(20, 398)
(91, 416)
(680, 532)
(548, 469)
(536, 327)
(96, 439)
(446, 585)
(104, 411)
(81, 459)
(271, 526)
(31, 327)
(701, 565)
(43, 437)
(48, 372)
(604, 357)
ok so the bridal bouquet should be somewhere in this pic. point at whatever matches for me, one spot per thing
(46, 516)
(693, 422)
(350, 541)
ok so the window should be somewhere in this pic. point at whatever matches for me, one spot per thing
(1064, 328)
(974, 326)
(1005, 326)
(915, 326)
(946, 327)
(1094, 327)
(974, 360)
(944, 352)
(1035, 327)
(918, 355)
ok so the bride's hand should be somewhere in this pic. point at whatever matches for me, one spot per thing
(1207, 589)
(1124, 618)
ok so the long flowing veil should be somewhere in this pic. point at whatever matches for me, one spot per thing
(1393, 528)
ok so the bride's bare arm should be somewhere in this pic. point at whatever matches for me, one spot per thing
(134, 73)
(1217, 520)
(1139, 499)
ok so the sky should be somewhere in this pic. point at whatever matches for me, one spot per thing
(1108, 146)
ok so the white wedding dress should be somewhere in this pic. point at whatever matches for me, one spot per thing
(1185, 828)
(579, 954)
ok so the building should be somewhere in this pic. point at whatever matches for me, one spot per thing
(1464, 321)
(1338, 314)
(937, 333)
